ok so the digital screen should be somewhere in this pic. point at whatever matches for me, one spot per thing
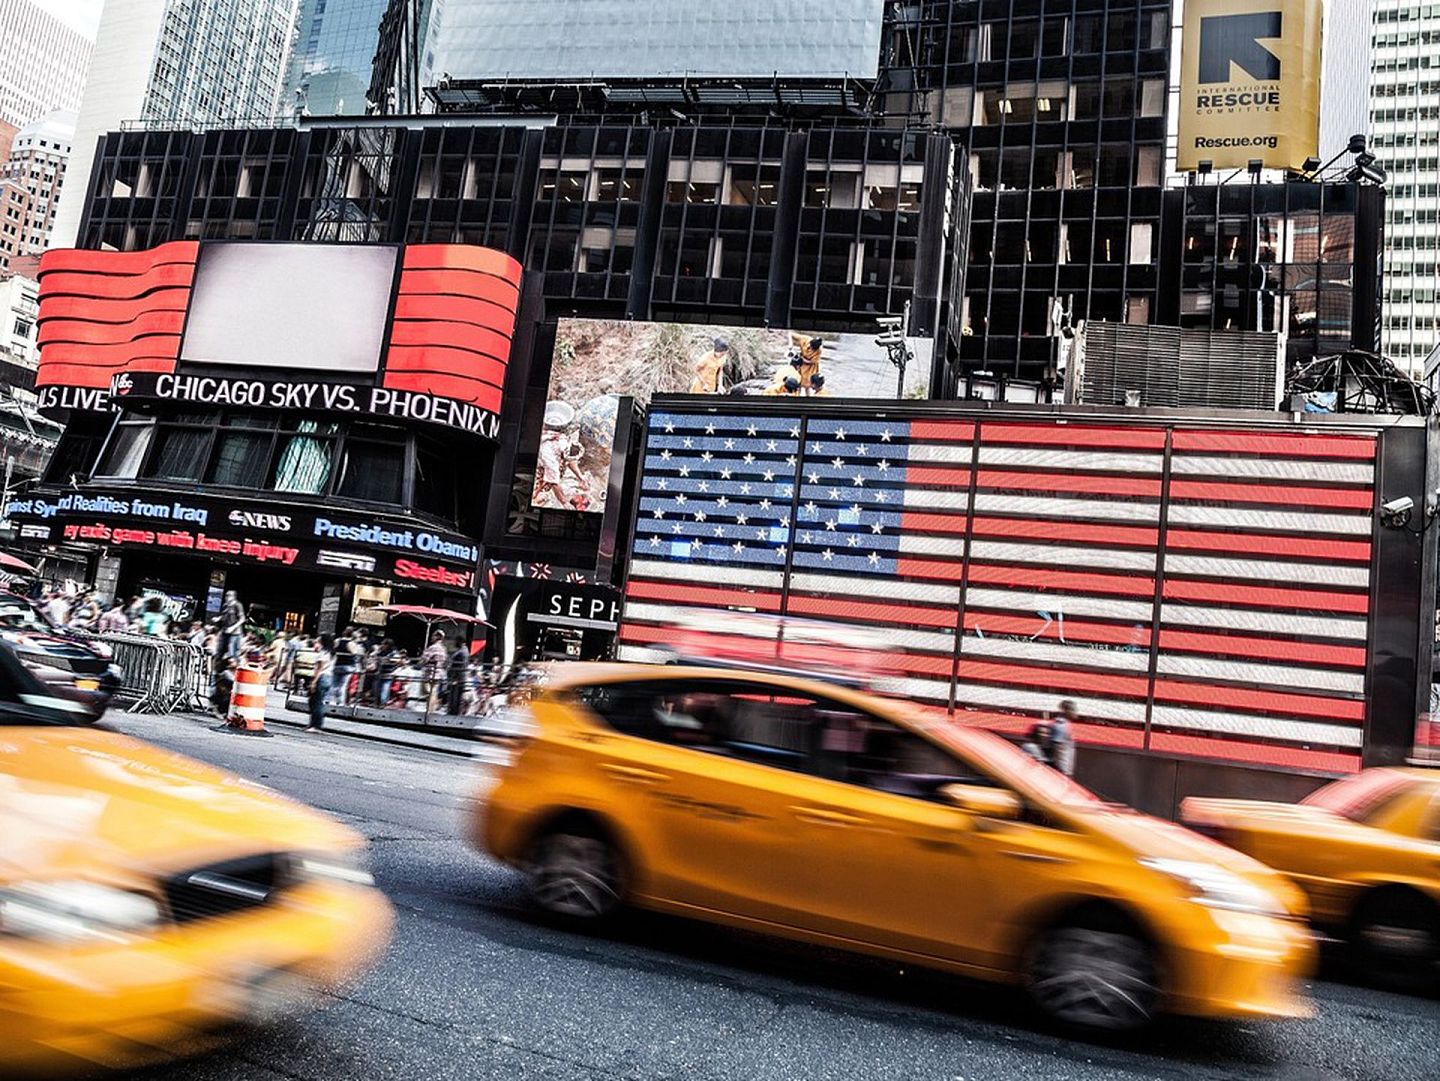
(596, 359)
(316, 307)
(584, 39)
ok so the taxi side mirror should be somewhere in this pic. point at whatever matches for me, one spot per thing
(982, 802)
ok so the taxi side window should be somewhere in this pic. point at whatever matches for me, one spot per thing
(864, 750)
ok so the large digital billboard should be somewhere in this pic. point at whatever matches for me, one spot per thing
(315, 307)
(1249, 83)
(597, 359)
(640, 39)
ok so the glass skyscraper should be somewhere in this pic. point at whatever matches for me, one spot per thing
(334, 48)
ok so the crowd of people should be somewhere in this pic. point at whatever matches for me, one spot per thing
(355, 667)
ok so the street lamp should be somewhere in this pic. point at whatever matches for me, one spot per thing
(892, 339)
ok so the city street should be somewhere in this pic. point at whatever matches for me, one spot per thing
(473, 986)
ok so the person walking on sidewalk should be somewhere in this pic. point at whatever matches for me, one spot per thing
(232, 625)
(321, 681)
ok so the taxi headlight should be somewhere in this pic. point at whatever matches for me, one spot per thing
(74, 911)
(333, 867)
(1215, 887)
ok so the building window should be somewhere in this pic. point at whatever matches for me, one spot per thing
(303, 465)
(23, 328)
(373, 468)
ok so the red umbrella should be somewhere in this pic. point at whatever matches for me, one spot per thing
(17, 566)
(430, 615)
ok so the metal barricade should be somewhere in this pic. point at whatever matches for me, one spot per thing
(161, 675)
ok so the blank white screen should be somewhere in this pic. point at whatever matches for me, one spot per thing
(310, 306)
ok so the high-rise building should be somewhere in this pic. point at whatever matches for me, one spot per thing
(30, 179)
(335, 44)
(178, 63)
(1345, 73)
(1405, 137)
(43, 61)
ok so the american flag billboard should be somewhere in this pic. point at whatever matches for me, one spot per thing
(1195, 590)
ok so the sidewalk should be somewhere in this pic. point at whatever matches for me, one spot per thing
(459, 745)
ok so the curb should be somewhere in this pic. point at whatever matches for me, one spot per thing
(481, 753)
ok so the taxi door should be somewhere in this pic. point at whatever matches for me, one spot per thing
(707, 812)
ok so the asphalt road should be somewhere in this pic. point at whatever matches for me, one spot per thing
(473, 986)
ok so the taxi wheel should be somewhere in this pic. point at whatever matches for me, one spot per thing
(1396, 935)
(1095, 974)
(576, 872)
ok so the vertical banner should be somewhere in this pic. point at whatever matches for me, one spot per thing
(1249, 83)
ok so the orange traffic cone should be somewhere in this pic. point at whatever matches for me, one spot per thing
(247, 701)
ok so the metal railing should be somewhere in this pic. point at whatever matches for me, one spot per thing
(158, 675)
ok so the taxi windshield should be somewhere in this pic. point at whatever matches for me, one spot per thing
(1004, 760)
(1359, 797)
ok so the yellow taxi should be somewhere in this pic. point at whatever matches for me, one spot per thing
(148, 902)
(1366, 851)
(819, 813)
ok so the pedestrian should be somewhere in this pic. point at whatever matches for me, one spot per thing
(321, 680)
(154, 621)
(432, 661)
(57, 608)
(1062, 738)
(343, 662)
(114, 621)
(286, 675)
(224, 689)
(86, 612)
(384, 671)
(457, 678)
(1039, 742)
(232, 625)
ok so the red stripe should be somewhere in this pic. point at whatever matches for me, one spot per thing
(1076, 630)
(942, 431)
(461, 257)
(1268, 544)
(1260, 754)
(1046, 578)
(1318, 600)
(912, 521)
(1077, 532)
(1298, 705)
(704, 596)
(1070, 482)
(1273, 649)
(1071, 435)
(444, 386)
(1060, 680)
(931, 569)
(937, 476)
(879, 612)
(1274, 494)
(1290, 445)
(91, 261)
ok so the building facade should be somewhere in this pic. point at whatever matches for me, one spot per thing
(19, 308)
(179, 62)
(1405, 136)
(30, 179)
(330, 67)
(43, 63)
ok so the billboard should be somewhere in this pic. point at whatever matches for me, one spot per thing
(1194, 590)
(1249, 83)
(640, 39)
(597, 359)
(313, 327)
(315, 307)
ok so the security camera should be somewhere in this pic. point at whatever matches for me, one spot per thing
(890, 322)
(1396, 512)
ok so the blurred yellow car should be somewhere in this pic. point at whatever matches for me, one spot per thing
(1366, 851)
(147, 901)
(818, 813)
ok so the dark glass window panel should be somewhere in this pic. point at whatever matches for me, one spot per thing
(242, 459)
(435, 481)
(372, 471)
(180, 453)
(126, 452)
(304, 462)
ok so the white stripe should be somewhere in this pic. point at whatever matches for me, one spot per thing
(1285, 624)
(644, 654)
(1049, 507)
(1067, 461)
(931, 690)
(1312, 574)
(1057, 654)
(864, 586)
(935, 499)
(936, 452)
(1274, 675)
(1018, 602)
(915, 544)
(1245, 724)
(1272, 469)
(691, 573)
(1061, 555)
(671, 614)
(1287, 521)
(971, 694)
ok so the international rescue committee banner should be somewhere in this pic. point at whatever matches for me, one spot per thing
(1249, 83)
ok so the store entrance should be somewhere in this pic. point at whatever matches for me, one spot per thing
(276, 598)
